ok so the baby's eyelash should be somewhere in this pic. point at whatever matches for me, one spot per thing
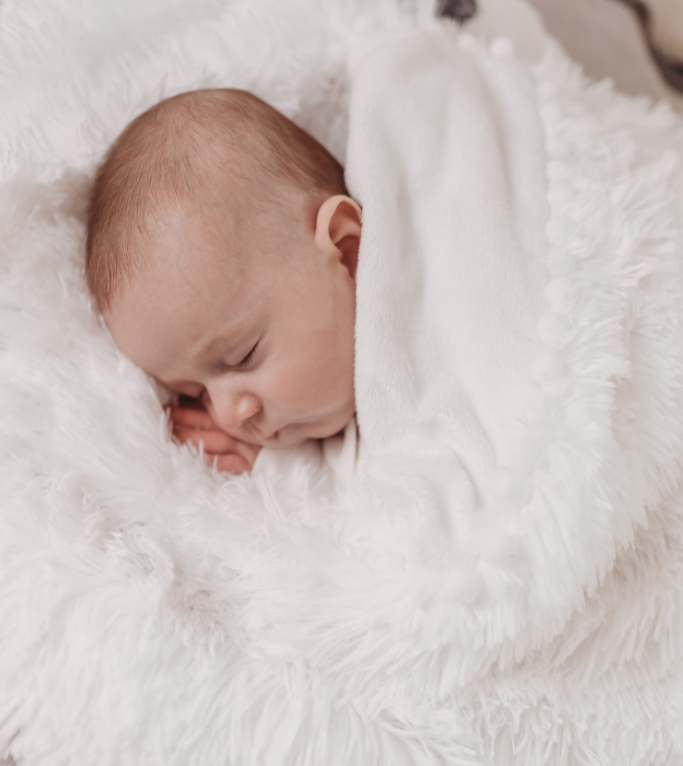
(246, 359)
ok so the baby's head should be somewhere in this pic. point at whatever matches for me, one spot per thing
(222, 250)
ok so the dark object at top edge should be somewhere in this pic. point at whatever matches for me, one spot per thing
(460, 10)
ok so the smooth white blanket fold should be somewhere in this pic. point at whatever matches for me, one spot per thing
(505, 406)
(446, 156)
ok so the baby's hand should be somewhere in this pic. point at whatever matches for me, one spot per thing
(197, 426)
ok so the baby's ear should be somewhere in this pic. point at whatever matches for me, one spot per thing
(337, 230)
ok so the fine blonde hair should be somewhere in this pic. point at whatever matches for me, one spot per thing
(166, 155)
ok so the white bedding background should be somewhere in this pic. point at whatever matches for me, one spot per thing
(155, 612)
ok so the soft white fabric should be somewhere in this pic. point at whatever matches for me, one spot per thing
(337, 455)
(529, 425)
(497, 589)
(345, 454)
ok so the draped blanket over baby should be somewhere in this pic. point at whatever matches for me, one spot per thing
(519, 371)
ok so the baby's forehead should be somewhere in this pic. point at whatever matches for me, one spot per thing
(190, 277)
(205, 238)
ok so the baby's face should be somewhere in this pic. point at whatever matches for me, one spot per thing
(264, 336)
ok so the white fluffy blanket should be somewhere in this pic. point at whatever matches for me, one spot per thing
(504, 586)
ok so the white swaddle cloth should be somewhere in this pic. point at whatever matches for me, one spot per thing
(497, 398)
(445, 156)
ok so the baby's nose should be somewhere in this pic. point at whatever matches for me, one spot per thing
(232, 412)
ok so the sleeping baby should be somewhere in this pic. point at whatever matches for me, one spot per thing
(222, 251)
(465, 331)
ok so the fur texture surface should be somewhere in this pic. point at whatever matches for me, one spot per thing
(155, 612)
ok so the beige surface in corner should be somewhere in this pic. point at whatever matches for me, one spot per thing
(606, 38)
(667, 17)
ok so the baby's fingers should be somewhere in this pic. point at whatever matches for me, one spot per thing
(229, 451)
(230, 463)
(186, 417)
(216, 442)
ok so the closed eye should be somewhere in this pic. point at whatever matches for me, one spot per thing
(246, 360)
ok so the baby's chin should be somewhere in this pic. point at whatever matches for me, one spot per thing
(296, 433)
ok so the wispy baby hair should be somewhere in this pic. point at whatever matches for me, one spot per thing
(175, 149)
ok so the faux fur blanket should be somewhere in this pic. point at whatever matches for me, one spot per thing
(504, 584)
